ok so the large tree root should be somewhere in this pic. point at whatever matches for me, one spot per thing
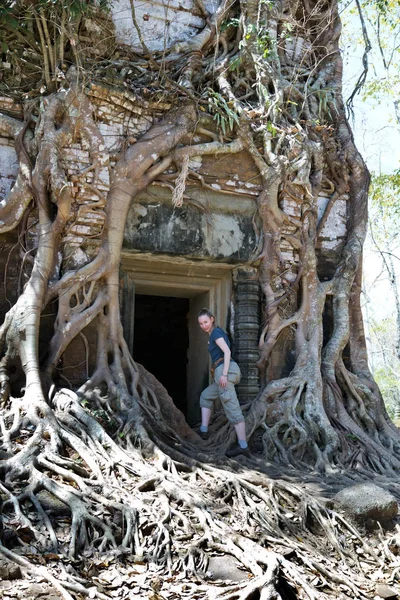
(113, 474)
(174, 513)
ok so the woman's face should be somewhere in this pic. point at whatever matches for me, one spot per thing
(206, 323)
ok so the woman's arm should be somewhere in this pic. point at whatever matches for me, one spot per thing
(221, 343)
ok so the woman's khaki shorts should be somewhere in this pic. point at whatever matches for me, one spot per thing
(227, 395)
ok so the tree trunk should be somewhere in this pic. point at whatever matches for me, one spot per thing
(263, 78)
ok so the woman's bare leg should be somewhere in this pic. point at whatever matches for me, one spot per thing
(205, 417)
(241, 433)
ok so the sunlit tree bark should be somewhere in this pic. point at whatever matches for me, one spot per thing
(273, 71)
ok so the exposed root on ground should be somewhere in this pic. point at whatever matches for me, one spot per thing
(172, 513)
(113, 474)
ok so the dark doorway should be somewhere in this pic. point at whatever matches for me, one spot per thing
(161, 342)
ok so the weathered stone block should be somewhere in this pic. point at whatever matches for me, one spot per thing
(367, 501)
(160, 228)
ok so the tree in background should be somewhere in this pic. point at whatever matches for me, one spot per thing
(262, 77)
(378, 85)
(383, 320)
(379, 35)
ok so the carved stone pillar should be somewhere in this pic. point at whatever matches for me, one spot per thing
(246, 298)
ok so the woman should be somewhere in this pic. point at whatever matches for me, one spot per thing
(226, 374)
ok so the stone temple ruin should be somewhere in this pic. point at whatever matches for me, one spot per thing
(177, 258)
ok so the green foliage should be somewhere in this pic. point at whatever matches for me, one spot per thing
(382, 5)
(383, 237)
(259, 35)
(101, 416)
(7, 19)
(286, 33)
(384, 222)
(235, 63)
(40, 37)
(385, 198)
(389, 384)
(271, 129)
(224, 115)
(381, 87)
(229, 23)
(385, 363)
(75, 8)
(266, 44)
(385, 10)
(12, 17)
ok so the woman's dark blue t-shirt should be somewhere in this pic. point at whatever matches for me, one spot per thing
(213, 349)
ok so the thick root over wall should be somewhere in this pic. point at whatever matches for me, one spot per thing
(150, 492)
(111, 479)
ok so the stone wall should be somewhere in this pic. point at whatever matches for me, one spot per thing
(162, 23)
(216, 224)
(216, 220)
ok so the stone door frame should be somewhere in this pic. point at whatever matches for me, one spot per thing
(206, 284)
